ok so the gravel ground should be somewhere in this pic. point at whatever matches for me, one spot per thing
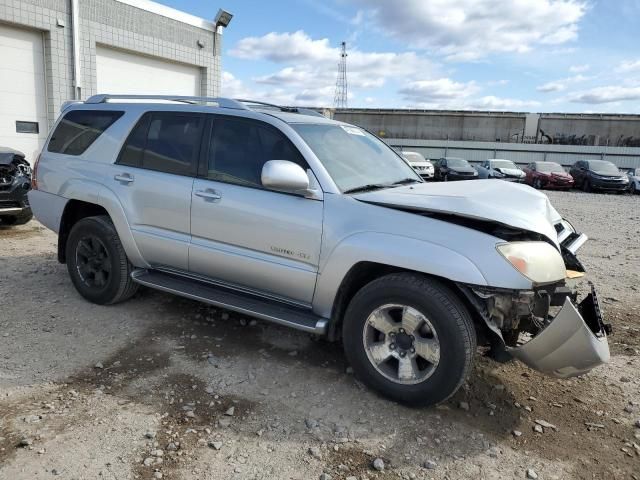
(161, 387)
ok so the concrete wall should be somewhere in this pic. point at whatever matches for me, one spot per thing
(437, 125)
(115, 24)
(613, 130)
(519, 153)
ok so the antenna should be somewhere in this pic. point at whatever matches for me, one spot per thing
(340, 98)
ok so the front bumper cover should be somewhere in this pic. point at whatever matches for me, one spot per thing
(572, 344)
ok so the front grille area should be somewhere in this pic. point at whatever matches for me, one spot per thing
(9, 204)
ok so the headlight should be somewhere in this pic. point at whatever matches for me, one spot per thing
(475, 173)
(540, 262)
(625, 180)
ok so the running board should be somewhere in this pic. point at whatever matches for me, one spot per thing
(247, 304)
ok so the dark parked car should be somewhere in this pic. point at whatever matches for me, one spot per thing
(590, 175)
(15, 182)
(453, 168)
(547, 175)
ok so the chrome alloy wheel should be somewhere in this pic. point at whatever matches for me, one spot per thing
(401, 344)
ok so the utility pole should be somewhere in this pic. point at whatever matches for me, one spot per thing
(340, 98)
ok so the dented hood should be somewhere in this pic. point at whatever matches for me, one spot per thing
(511, 204)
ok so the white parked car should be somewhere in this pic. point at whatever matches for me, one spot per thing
(422, 166)
(634, 180)
(502, 169)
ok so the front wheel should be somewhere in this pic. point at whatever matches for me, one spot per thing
(97, 263)
(410, 338)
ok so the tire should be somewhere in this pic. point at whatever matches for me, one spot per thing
(537, 184)
(16, 219)
(632, 189)
(97, 263)
(444, 330)
(586, 186)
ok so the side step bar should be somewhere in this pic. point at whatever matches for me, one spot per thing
(247, 304)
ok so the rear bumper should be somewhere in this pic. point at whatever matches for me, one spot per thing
(573, 343)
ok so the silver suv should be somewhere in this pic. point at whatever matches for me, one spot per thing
(282, 214)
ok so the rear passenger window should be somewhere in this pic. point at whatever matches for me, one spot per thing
(78, 129)
(239, 148)
(166, 142)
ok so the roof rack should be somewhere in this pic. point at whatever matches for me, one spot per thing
(281, 108)
(220, 102)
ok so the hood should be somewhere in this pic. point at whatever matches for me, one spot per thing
(514, 205)
(608, 174)
(560, 175)
(513, 172)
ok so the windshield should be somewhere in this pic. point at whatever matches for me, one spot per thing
(549, 167)
(600, 166)
(503, 164)
(453, 162)
(353, 157)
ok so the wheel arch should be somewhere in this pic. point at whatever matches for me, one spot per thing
(104, 204)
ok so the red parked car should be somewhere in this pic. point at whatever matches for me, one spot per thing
(547, 175)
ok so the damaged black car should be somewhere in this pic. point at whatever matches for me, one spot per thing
(15, 182)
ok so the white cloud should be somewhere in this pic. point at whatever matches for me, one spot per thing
(628, 66)
(579, 68)
(233, 87)
(471, 29)
(438, 90)
(309, 66)
(497, 83)
(284, 47)
(562, 84)
(606, 94)
(491, 102)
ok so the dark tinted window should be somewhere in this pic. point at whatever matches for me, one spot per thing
(173, 143)
(133, 149)
(79, 129)
(238, 149)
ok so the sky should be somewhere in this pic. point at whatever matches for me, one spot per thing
(516, 55)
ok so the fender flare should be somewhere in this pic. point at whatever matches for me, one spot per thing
(97, 194)
(392, 250)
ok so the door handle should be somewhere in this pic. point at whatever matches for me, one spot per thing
(125, 178)
(208, 194)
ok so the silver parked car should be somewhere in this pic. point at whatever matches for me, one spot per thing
(502, 169)
(422, 166)
(317, 225)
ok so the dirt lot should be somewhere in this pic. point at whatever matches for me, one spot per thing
(161, 387)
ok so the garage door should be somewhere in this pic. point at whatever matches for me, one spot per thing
(129, 73)
(23, 111)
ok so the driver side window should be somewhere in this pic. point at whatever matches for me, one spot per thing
(239, 148)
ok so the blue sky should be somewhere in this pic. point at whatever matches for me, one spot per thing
(522, 55)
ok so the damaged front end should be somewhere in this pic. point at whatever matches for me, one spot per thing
(546, 327)
(15, 182)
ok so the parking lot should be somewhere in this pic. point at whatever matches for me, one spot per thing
(162, 387)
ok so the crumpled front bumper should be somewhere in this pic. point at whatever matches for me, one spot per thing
(572, 344)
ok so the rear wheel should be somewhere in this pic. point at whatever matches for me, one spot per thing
(97, 262)
(410, 338)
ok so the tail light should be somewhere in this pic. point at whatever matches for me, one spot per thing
(34, 174)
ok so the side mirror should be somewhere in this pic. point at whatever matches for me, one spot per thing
(284, 176)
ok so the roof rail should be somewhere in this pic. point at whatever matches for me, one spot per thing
(220, 102)
(302, 111)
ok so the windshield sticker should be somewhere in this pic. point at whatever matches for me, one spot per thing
(353, 130)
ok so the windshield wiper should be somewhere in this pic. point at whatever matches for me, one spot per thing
(368, 187)
(405, 181)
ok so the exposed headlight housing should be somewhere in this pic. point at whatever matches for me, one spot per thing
(540, 262)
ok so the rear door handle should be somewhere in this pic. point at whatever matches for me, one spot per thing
(125, 178)
(208, 194)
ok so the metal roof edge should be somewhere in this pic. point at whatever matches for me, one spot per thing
(171, 13)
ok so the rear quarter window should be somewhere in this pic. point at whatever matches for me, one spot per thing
(78, 129)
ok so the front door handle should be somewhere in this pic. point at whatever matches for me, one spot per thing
(125, 178)
(208, 194)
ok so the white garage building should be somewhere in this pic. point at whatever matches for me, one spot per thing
(57, 50)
